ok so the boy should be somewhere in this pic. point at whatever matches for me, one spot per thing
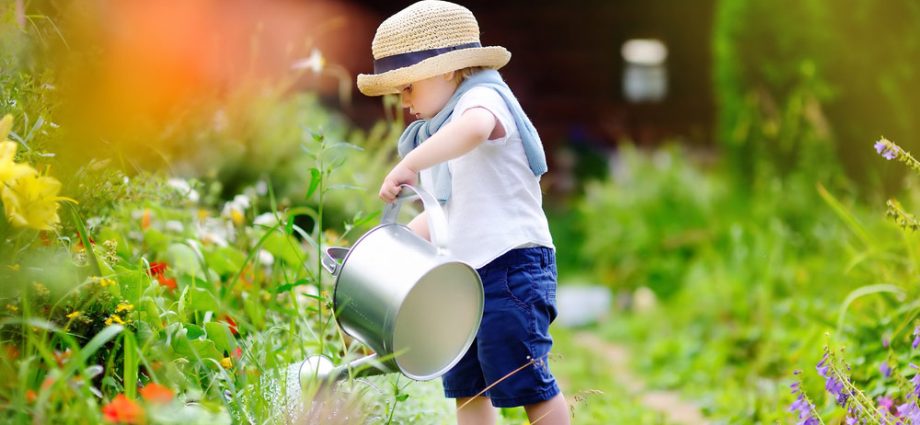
(479, 154)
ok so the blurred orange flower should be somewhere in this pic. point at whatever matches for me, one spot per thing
(123, 410)
(156, 393)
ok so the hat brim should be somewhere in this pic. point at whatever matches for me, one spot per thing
(390, 82)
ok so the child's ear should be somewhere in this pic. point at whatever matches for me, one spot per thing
(449, 76)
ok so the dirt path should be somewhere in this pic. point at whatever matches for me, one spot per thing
(669, 403)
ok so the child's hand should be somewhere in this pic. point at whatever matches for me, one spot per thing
(400, 174)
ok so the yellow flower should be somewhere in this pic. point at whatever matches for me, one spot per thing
(114, 319)
(103, 281)
(226, 363)
(237, 216)
(32, 201)
(74, 315)
(124, 307)
(6, 125)
(12, 308)
(9, 169)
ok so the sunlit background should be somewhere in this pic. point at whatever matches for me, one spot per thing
(731, 194)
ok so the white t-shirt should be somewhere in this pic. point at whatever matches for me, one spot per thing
(495, 203)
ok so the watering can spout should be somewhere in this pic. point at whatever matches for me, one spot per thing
(320, 368)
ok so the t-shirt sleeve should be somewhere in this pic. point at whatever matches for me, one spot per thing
(490, 100)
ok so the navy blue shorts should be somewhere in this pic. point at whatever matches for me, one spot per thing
(520, 303)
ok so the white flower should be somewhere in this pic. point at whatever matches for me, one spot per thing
(215, 231)
(235, 210)
(315, 62)
(265, 219)
(174, 226)
(266, 258)
(184, 188)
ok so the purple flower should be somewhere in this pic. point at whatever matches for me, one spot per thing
(886, 341)
(885, 403)
(885, 369)
(910, 412)
(915, 381)
(802, 406)
(886, 149)
(916, 338)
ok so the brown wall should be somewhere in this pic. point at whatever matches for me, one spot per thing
(566, 67)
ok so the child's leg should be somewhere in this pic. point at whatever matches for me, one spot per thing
(476, 411)
(554, 411)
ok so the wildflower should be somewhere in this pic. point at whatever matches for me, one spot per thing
(231, 324)
(146, 218)
(40, 289)
(184, 188)
(114, 319)
(315, 62)
(167, 281)
(916, 342)
(156, 393)
(156, 268)
(235, 210)
(12, 308)
(74, 315)
(238, 353)
(124, 307)
(62, 357)
(885, 369)
(885, 404)
(802, 405)
(890, 151)
(915, 393)
(32, 201)
(106, 282)
(910, 412)
(833, 385)
(9, 169)
(226, 362)
(122, 410)
(31, 396)
(886, 149)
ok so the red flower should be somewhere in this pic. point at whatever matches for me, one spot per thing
(31, 396)
(231, 324)
(238, 353)
(157, 268)
(123, 410)
(156, 393)
(166, 281)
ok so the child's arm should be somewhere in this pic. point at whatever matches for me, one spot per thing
(419, 225)
(454, 139)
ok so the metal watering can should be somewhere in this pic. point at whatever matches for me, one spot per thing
(417, 307)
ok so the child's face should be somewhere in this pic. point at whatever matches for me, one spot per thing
(425, 98)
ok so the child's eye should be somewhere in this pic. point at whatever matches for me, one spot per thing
(407, 89)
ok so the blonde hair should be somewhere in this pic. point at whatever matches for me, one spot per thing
(462, 74)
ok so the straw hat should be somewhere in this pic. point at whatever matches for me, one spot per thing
(426, 39)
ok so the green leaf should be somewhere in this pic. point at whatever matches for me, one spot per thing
(314, 181)
(202, 300)
(284, 247)
(183, 259)
(225, 260)
(130, 363)
(221, 335)
(288, 286)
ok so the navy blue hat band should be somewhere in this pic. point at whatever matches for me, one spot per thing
(403, 60)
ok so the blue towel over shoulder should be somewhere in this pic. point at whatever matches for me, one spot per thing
(419, 131)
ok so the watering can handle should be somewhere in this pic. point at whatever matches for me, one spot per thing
(437, 222)
(331, 261)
